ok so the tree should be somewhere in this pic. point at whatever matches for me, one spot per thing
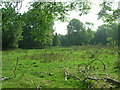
(40, 20)
(56, 41)
(64, 40)
(101, 35)
(75, 26)
(89, 32)
(35, 27)
(89, 35)
(76, 32)
(11, 27)
(113, 33)
(110, 15)
(37, 30)
(107, 33)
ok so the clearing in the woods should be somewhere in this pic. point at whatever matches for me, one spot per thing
(59, 67)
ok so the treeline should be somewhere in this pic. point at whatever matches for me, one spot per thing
(78, 34)
(34, 29)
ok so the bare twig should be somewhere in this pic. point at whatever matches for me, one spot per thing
(25, 71)
(69, 74)
(5, 78)
(76, 77)
(66, 73)
(91, 78)
(20, 6)
(9, 14)
(38, 87)
(96, 60)
(14, 71)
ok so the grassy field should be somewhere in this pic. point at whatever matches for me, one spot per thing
(45, 67)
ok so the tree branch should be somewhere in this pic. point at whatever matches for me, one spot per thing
(114, 82)
(96, 60)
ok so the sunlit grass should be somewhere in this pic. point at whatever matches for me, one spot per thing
(45, 66)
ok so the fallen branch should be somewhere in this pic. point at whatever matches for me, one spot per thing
(114, 82)
(38, 87)
(104, 66)
(5, 78)
(76, 77)
(68, 74)
(85, 74)
(91, 78)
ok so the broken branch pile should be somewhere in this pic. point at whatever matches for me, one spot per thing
(86, 74)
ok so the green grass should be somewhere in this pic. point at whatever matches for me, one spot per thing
(45, 66)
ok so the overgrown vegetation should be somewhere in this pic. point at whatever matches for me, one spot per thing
(46, 67)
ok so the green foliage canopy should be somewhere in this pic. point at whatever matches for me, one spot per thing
(107, 13)
(40, 20)
(11, 27)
